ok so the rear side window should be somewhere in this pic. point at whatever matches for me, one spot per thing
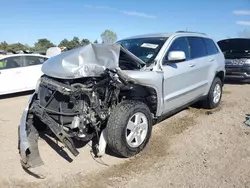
(197, 47)
(211, 47)
(33, 60)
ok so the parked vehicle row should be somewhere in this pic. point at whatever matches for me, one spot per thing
(22, 74)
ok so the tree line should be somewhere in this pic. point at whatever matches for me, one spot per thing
(43, 44)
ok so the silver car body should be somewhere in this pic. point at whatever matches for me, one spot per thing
(176, 84)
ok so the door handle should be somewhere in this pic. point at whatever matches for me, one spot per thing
(191, 65)
(210, 60)
(18, 72)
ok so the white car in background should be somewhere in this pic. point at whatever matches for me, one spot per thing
(20, 72)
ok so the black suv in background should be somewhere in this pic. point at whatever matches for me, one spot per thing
(237, 55)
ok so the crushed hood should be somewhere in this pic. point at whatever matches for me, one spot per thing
(86, 61)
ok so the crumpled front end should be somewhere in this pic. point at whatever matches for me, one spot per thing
(69, 111)
(74, 99)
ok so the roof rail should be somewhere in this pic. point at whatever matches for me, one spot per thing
(190, 32)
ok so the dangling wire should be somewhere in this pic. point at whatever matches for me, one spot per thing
(94, 158)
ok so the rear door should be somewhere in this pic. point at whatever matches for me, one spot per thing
(11, 77)
(202, 64)
(33, 72)
(215, 59)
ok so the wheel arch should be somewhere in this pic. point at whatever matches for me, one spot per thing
(221, 75)
(146, 94)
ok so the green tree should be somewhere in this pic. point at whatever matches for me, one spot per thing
(85, 42)
(43, 44)
(18, 46)
(96, 41)
(74, 43)
(64, 43)
(4, 46)
(108, 37)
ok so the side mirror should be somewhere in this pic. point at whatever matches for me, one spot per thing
(175, 57)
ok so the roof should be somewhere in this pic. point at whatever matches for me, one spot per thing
(14, 55)
(150, 35)
(166, 34)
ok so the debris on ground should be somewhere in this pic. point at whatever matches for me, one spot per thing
(247, 122)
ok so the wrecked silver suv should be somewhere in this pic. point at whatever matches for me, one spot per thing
(116, 92)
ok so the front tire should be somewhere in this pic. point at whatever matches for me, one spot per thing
(213, 98)
(129, 128)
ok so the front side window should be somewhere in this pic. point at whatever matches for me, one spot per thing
(144, 48)
(197, 47)
(179, 44)
(33, 60)
(11, 62)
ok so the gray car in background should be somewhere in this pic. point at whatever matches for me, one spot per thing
(237, 54)
(116, 92)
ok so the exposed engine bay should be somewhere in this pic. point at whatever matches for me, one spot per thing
(78, 108)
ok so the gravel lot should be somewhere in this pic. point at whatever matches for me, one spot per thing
(193, 148)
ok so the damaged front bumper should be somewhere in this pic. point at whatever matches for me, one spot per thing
(28, 134)
(28, 137)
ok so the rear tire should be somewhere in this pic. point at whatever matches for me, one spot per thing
(129, 128)
(213, 98)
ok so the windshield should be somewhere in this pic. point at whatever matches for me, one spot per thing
(144, 48)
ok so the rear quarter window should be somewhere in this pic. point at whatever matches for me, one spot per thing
(211, 47)
(197, 47)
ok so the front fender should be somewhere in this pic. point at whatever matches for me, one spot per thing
(151, 79)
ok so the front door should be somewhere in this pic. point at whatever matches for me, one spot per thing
(179, 78)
